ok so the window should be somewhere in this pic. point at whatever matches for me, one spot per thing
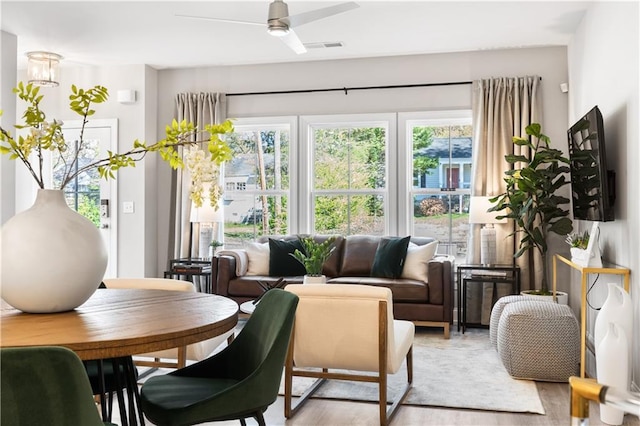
(440, 155)
(348, 174)
(257, 180)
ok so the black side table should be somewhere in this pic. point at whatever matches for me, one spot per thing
(196, 270)
(482, 274)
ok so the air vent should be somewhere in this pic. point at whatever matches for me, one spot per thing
(323, 45)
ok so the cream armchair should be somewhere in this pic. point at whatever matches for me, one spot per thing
(347, 327)
(194, 352)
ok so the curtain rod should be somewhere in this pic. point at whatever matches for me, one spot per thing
(347, 89)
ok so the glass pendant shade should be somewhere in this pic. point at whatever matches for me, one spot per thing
(42, 68)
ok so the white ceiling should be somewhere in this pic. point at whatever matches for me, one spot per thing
(148, 32)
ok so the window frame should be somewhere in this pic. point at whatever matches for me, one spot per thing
(308, 123)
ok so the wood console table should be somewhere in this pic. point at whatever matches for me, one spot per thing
(585, 271)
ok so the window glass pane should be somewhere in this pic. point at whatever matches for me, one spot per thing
(83, 192)
(261, 157)
(350, 158)
(248, 217)
(349, 214)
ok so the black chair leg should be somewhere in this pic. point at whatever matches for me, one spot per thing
(243, 423)
(260, 418)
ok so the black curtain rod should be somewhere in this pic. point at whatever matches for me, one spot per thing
(347, 89)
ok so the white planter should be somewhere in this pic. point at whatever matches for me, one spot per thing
(563, 298)
(314, 279)
(53, 259)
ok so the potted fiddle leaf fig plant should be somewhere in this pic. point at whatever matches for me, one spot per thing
(314, 256)
(531, 198)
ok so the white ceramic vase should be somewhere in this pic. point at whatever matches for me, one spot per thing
(53, 259)
(617, 308)
(612, 365)
(314, 279)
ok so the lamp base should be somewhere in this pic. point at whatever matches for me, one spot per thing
(488, 246)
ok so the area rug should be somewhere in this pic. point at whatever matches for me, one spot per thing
(462, 372)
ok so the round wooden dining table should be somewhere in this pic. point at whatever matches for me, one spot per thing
(115, 324)
(123, 322)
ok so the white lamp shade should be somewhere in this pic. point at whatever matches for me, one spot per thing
(478, 213)
(206, 213)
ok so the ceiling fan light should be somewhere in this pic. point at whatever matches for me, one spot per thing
(42, 68)
(278, 30)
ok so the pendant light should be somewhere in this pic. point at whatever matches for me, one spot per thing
(42, 68)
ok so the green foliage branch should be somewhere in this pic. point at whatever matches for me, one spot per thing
(46, 135)
(315, 254)
(530, 198)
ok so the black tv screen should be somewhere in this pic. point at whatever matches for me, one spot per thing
(592, 186)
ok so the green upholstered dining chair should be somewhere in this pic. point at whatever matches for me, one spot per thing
(239, 382)
(45, 385)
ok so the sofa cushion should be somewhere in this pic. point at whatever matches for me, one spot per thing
(281, 263)
(402, 290)
(258, 258)
(417, 260)
(358, 254)
(389, 259)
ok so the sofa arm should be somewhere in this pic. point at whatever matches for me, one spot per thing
(440, 270)
(228, 264)
(241, 260)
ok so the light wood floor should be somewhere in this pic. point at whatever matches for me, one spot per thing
(554, 396)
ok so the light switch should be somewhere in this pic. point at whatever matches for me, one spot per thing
(127, 207)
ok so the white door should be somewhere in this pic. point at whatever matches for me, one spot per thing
(91, 196)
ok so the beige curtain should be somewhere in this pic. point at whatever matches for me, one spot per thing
(200, 109)
(502, 108)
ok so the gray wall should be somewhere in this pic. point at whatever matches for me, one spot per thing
(603, 63)
(550, 63)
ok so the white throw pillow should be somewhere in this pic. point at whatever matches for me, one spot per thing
(258, 255)
(415, 263)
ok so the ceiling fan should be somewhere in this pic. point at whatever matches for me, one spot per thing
(280, 24)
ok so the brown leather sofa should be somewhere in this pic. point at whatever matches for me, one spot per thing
(426, 303)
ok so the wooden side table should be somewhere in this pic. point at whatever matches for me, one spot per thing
(196, 270)
(467, 274)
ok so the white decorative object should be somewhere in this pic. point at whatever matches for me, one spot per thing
(612, 365)
(617, 308)
(314, 279)
(478, 213)
(53, 259)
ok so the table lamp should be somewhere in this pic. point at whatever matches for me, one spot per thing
(208, 217)
(478, 213)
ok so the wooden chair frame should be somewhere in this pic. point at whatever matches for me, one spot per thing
(322, 376)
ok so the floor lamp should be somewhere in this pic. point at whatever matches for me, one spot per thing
(478, 214)
(208, 217)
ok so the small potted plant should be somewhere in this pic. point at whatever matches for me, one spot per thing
(214, 246)
(579, 244)
(313, 257)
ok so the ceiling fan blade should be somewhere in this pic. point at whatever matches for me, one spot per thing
(294, 43)
(314, 15)
(232, 21)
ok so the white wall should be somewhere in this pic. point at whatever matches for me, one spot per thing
(603, 70)
(549, 63)
(137, 231)
(9, 55)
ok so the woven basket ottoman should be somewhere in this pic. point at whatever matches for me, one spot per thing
(539, 340)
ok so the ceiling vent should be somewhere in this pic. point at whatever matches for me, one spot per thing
(323, 45)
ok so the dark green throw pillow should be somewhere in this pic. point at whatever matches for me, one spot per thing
(389, 259)
(281, 263)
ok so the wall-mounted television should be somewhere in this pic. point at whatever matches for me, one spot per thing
(592, 185)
